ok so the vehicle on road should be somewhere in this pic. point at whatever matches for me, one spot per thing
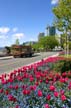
(21, 51)
(57, 49)
(3, 52)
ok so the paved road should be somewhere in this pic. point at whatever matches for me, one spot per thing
(8, 65)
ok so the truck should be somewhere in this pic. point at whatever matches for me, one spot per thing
(21, 51)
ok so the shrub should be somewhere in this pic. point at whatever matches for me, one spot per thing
(63, 66)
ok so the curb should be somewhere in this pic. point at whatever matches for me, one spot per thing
(4, 58)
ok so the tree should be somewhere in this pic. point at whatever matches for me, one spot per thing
(62, 40)
(36, 47)
(8, 49)
(42, 42)
(63, 17)
(45, 43)
(70, 45)
(52, 42)
(48, 42)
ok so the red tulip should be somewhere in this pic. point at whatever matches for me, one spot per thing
(62, 80)
(36, 83)
(48, 97)
(69, 86)
(10, 87)
(11, 98)
(46, 106)
(17, 106)
(26, 92)
(16, 87)
(31, 79)
(61, 92)
(52, 88)
(39, 93)
(33, 87)
(6, 92)
(46, 81)
(56, 94)
(1, 90)
(64, 74)
(63, 97)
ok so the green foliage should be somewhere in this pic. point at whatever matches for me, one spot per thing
(63, 40)
(8, 49)
(70, 45)
(45, 43)
(35, 47)
(62, 66)
(48, 42)
(58, 66)
(52, 42)
(63, 15)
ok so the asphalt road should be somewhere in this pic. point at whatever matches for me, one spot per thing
(9, 65)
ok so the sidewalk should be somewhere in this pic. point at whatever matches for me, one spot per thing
(8, 57)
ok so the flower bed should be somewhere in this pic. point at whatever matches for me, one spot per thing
(36, 86)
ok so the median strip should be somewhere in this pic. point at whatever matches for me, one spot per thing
(8, 57)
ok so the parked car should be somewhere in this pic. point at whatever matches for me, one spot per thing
(58, 49)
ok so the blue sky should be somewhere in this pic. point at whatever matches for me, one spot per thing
(24, 19)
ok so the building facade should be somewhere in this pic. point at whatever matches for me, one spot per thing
(51, 31)
(41, 35)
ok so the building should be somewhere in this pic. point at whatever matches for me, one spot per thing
(41, 35)
(51, 31)
(29, 43)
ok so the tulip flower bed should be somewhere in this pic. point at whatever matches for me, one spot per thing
(36, 86)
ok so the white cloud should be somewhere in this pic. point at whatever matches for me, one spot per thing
(54, 1)
(15, 29)
(4, 30)
(18, 35)
(9, 35)
(3, 37)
